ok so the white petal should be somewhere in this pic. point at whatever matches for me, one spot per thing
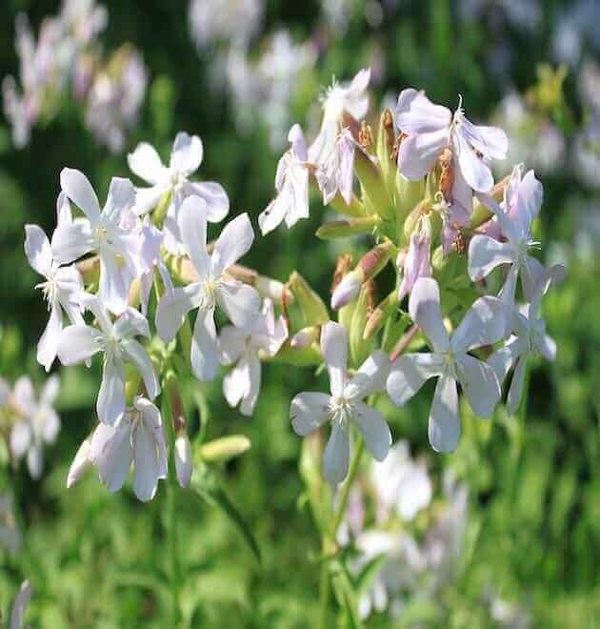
(336, 455)
(145, 162)
(485, 254)
(444, 424)
(70, 242)
(35, 461)
(548, 348)
(515, 392)
(356, 102)
(480, 384)
(114, 284)
(236, 383)
(424, 308)
(476, 173)
(254, 378)
(418, 153)
(20, 438)
(374, 430)
(370, 378)
(48, 343)
(145, 461)
(121, 196)
(272, 216)
(192, 228)
(51, 426)
(110, 404)
(503, 358)
(294, 196)
(187, 153)
(111, 452)
(204, 355)
(334, 347)
(78, 343)
(233, 242)
(408, 374)
(131, 323)
(153, 422)
(17, 613)
(532, 274)
(80, 463)
(232, 343)
(37, 249)
(183, 460)
(528, 202)
(147, 199)
(215, 197)
(483, 324)
(308, 411)
(139, 356)
(489, 141)
(78, 188)
(172, 309)
(240, 302)
(415, 113)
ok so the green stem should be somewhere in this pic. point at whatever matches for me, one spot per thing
(324, 590)
(347, 486)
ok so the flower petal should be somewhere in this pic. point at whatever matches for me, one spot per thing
(483, 324)
(254, 377)
(489, 141)
(418, 153)
(415, 113)
(183, 460)
(334, 347)
(272, 216)
(145, 461)
(78, 343)
(532, 274)
(336, 455)
(374, 430)
(236, 383)
(37, 249)
(408, 374)
(172, 309)
(187, 153)
(370, 378)
(308, 411)
(139, 357)
(233, 242)
(35, 461)
(113, 286)
(485, 254)
(145, 162)
(192, 228)
(240, 302)
(232, 343)
(110, 404)
(473, 169)
(213, 193)
(480, 384)
(424, 308)
(444, 424)
(79, 190)
(48, 343)
(111, 452)
(71, 241)
(515, 391)
(204, 355)
(121, 196)
(20, 438)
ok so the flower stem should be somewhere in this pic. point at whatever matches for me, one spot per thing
(347, 486)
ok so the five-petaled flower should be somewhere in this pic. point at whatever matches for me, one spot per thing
(483, 324)
(345, 406)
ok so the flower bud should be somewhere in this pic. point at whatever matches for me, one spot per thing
(224, 448)
(305, 337)
(348, 227)
(183, 459)
(80, 463)
(359, 347)
(347, 290)
(371, 179)
(408, 195)
(380, 315)
(270, 288)
(313, 309)
(386, 138)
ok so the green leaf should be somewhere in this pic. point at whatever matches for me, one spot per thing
(345, 594)
(206, 487)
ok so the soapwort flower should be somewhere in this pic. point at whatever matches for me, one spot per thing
(522, 203)
(173, 180)
(101, 233)
(37, 421)
(214, 286)
(483, 324)
(138, 437)
(116, 339)
(308, 411)
(432, 128)
(291, 183)
(242, 347)
(61, 291)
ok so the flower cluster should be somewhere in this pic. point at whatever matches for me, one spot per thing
(66, 56)
(464, 307)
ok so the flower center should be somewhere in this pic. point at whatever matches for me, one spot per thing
(341, 411)
(49, 290)
(208, 291)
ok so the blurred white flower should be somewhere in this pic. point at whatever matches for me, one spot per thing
(116, 339)
(10, 535)
(242, 347)
(36, 422)
(184, 465)
(308, 411)
(214, 286)
(483, 324)
(18, 609)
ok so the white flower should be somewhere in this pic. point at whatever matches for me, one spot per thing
(241, 347)
(184, 465)
(214, 286)
(186, 157)
(483, 324)
(18, 609)
(530, 340)
(38, 422)
(78, 343)
(352, 98)
(291, 182)
(100, 233)
(417, 262)
(336, 173)
(401, 484)
(308, 411)
(522, 203)
(61, 290)
(138, 437)
(431, 128)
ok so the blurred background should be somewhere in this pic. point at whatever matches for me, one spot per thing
(239, 73)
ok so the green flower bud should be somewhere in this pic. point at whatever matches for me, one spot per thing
(380, 315)
(349, 227)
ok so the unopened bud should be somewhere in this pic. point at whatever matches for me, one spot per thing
(446, 182)
(371, 179)
(481, 213)
(305, 337)
(347, 290)
(89, 269)
(270, 288)
(348, 227)
(380, 315)
(408, 195)
(413, 219)
(183, 459)
(80, 464)
(386, 138)
(224, 448)
(313, 309)
(365, 135)
(359, 347)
